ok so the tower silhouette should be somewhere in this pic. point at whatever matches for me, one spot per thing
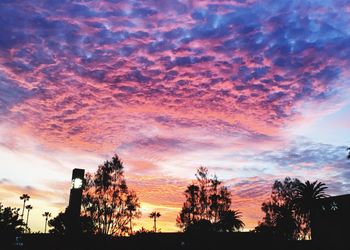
(75, 197)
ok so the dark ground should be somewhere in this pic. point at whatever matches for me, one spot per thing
(172, 241)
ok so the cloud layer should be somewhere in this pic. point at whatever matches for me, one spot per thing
(89, 72)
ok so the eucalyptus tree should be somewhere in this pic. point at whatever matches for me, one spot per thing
(108, 201)
(280, 215)
(132, 208)
(207, 206)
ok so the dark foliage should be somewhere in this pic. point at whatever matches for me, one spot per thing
(288, 211)
(200, 226)
(10, 224)
(229, 221)
(61, 223)
(207, 206)
(108, 201)
(281, 219)
(154, 215)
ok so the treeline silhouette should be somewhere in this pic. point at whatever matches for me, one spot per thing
(109, 207)
(289, 210)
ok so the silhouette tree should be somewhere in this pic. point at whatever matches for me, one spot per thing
(10, 225)
(46, 215)
(132, 208)
(203, 184)
(348, 153)
(307, 195)
(108, 201)
(155, 215)
(200, 226)
(28, 207)
(280, 217)
(230, 221)
(60, 223)
(190, 210)
(143, 231)
(207, 202)
(25, 198)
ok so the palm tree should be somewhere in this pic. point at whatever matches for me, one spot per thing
(307, 195)
(46, 215)
(28, 207)
(25, 198)
(155, 215)
(230, 221)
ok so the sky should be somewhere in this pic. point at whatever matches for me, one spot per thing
(253, 90)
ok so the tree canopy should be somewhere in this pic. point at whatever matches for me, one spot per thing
(108, 201)
(281, 218)
(10, 224)
(154, 215)
(208, 206)
(288, 211)
(61, 223)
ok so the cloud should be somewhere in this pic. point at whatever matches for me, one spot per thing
(312, 161)
(12, 94)
(9, 190)
(303, 152)
(280, 62)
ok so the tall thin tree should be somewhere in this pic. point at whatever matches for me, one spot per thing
(155, 215)
(47, 215)
(132, 202)
(25, 198)
(130, 209)
(28, 207)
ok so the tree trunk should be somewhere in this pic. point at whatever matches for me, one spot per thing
(24, 204)
(155, 224)
(27, 219)
(311, 216)
(130, 223)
